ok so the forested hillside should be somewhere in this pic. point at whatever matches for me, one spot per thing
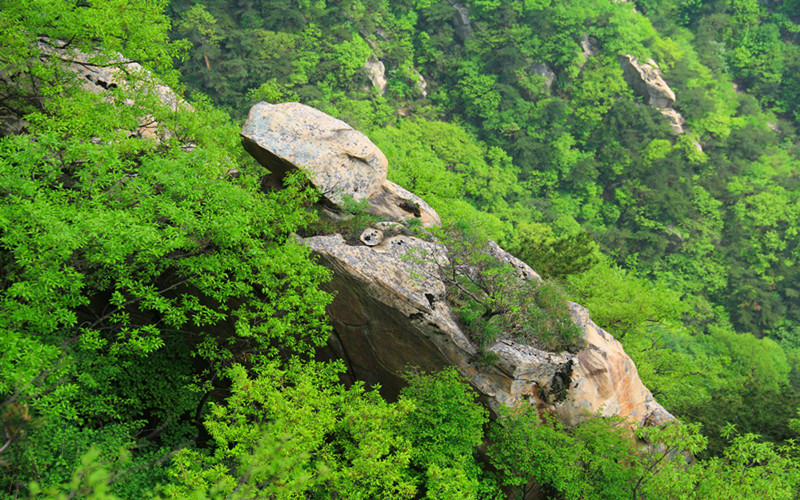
(526, 114)
(158, 321)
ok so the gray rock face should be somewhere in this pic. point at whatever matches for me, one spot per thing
(646, 81)
(545, 72)
(100, 80)
(461, 21)
(588, 48)
(338, 159)
(397, 204)
(390, 314)
(422, 85)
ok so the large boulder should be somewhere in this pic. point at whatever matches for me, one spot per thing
(339, 160)
(646, 80)
(394, 203)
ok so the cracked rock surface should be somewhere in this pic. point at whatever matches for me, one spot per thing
(389, 314)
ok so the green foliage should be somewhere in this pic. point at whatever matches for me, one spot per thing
(446, 422)
(558, 258)
(598, 459)
(445, 427)
(442, 163)
(134, 269)
(624, 303)
(748, 468)
(90, 480)
(595, 460)
(351, 218)
(137, 274)
(495, 301)
(296, 431)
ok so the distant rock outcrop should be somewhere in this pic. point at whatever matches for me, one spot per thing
(588, 48)
(422, 84)
(461, 22)
(98, 79)
(646, 81)
(376, 72)
(390, 310)
(545, 72)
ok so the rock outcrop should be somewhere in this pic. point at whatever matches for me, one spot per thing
(545, 72)
(589, 47)
(115, 72)
(422, 84)
(376, 72)
(647, 82)
(605, 380)
(339, 160)
(390, 311)
(461, 22)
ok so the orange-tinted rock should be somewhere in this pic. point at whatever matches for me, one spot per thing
(605, 380)
(390, 315)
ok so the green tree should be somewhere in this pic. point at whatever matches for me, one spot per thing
(445, 428)
(595, 460)
(134, 269)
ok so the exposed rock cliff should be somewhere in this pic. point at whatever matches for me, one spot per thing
(390, 310)
(461, 22)
(646, 81)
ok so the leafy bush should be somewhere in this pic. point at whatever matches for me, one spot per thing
(494, 301)
(445, 428)
(350, 220)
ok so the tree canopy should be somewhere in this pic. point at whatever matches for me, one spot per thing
(158, 321)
